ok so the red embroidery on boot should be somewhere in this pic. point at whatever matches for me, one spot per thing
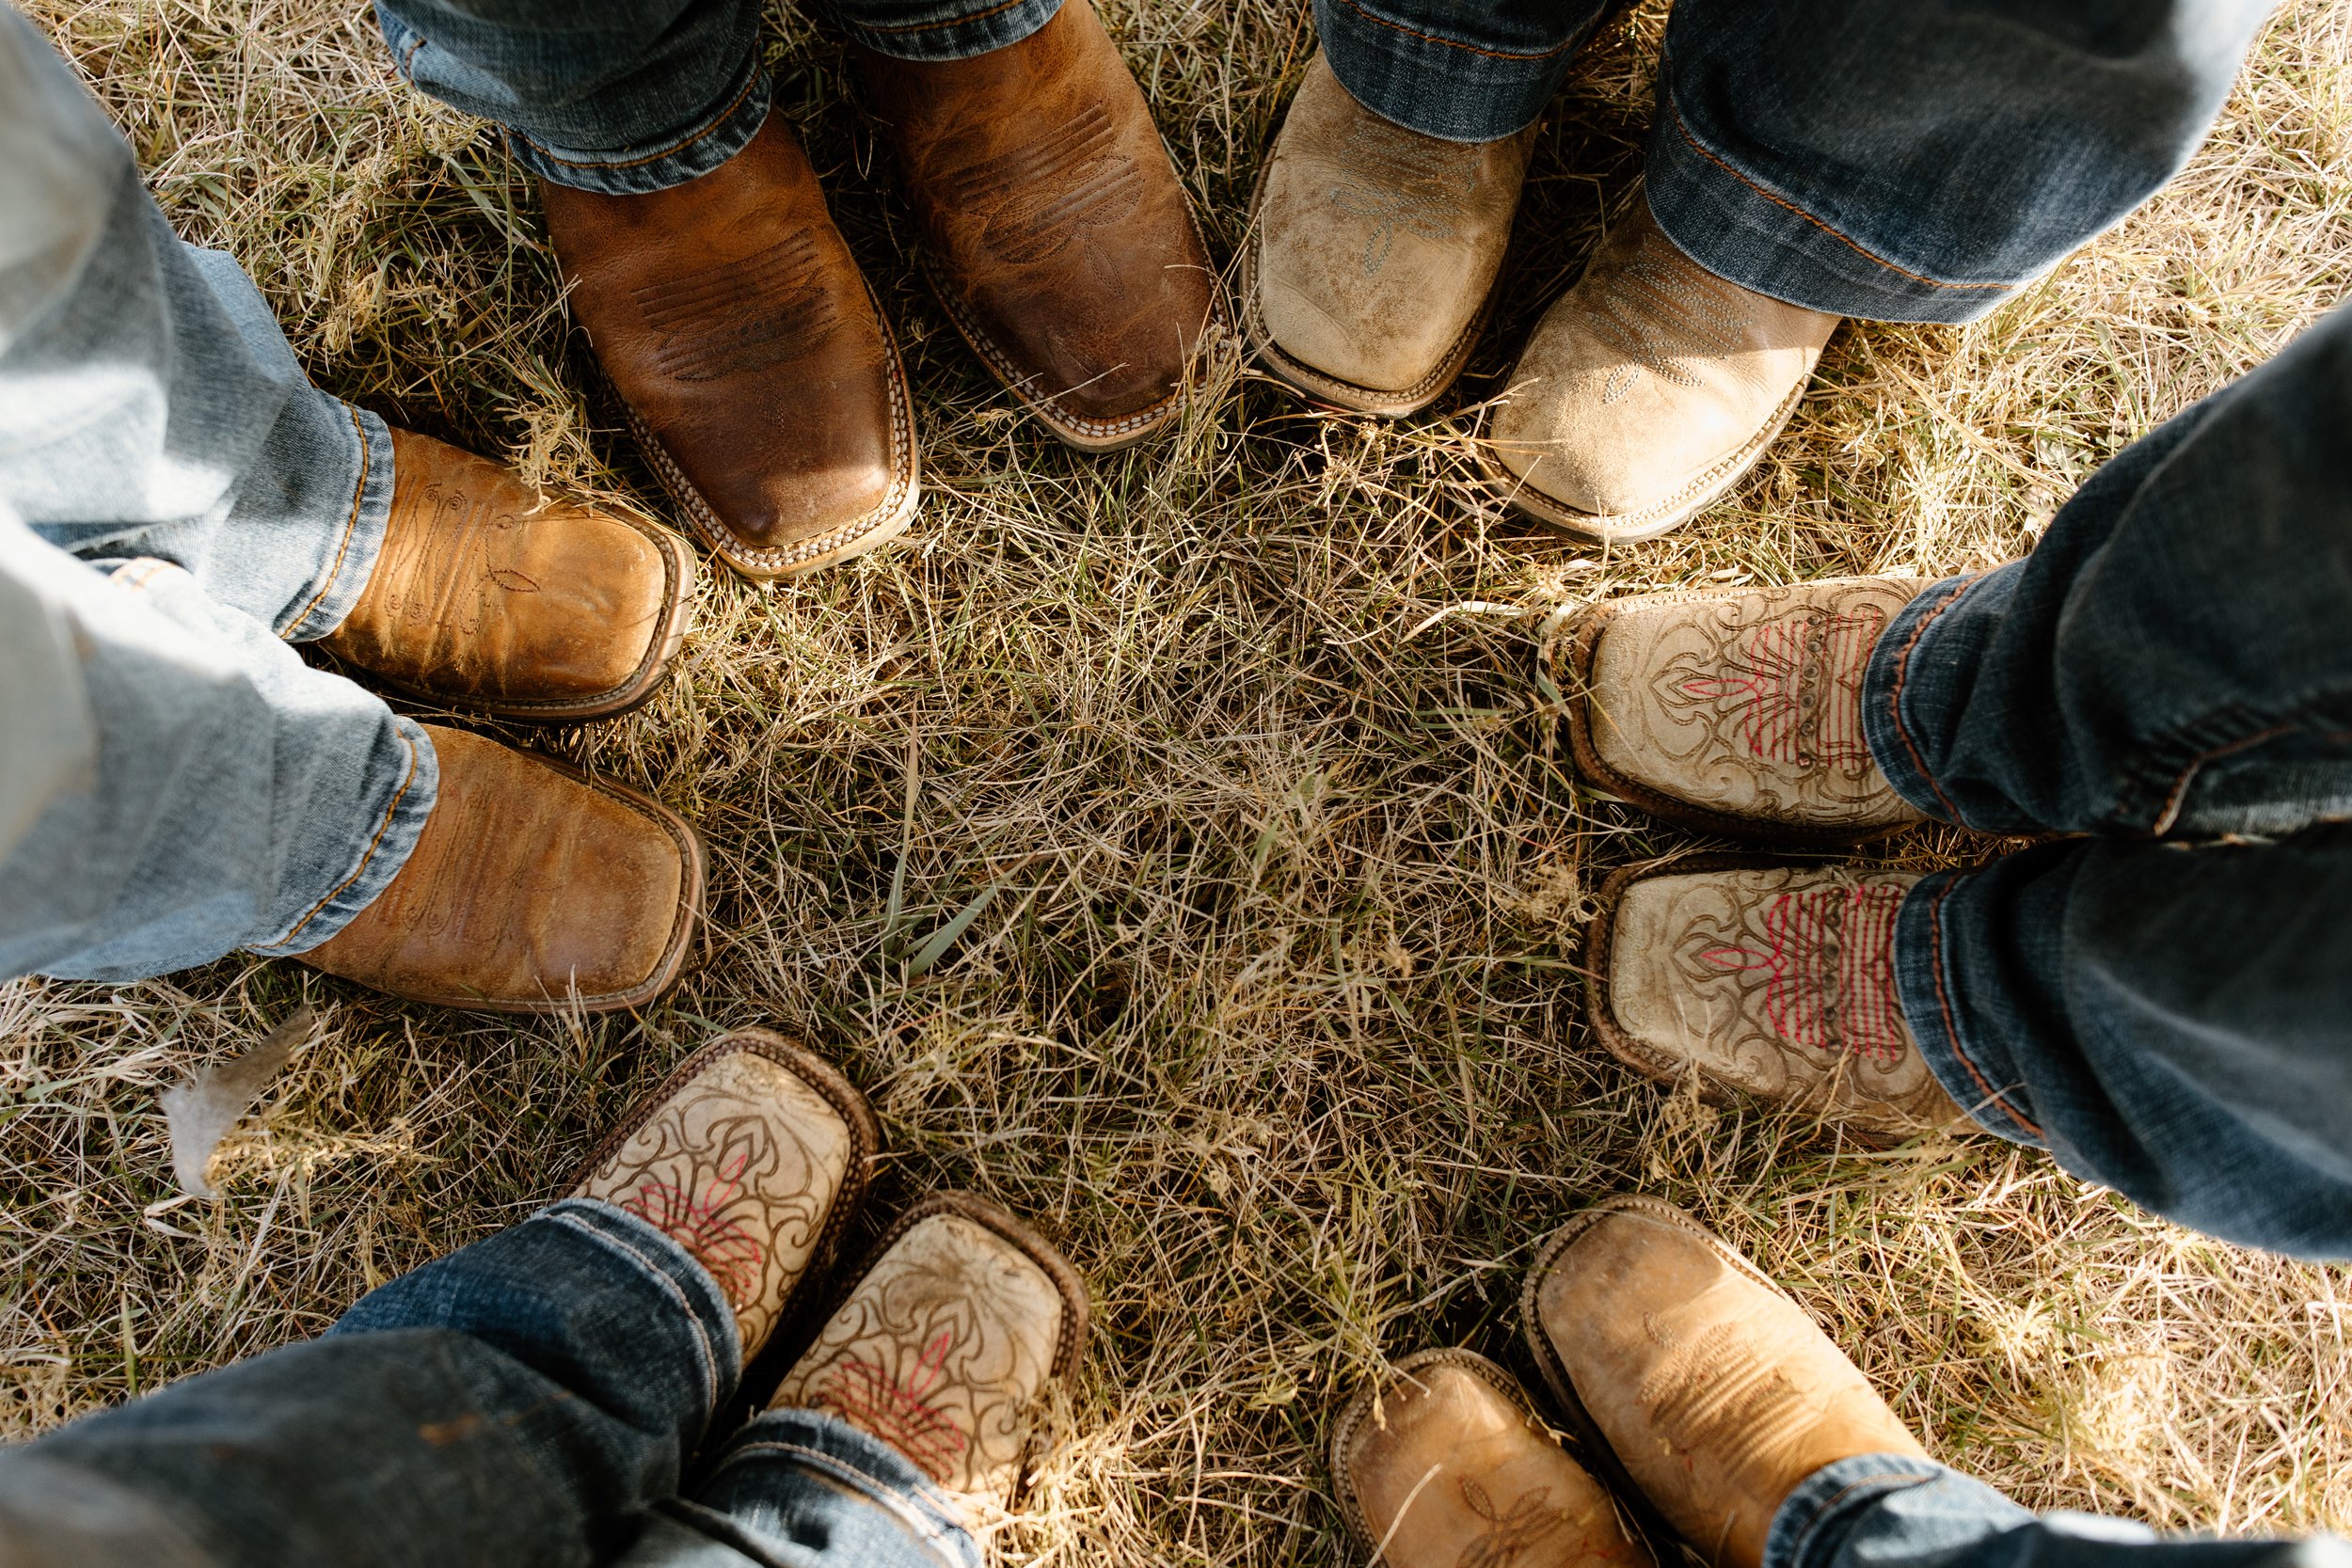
(898, 1412)
(1804, 687)
(723, 1246)
(1829, 970)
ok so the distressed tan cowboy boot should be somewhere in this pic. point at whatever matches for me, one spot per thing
(753, 1155)
(1372, 251)
(1739, 710)
(1699, 1388)
(533, 888)
(489, 595)
(949, 1347)
(1446, 1466)
(1770, 979)
(1647, 389)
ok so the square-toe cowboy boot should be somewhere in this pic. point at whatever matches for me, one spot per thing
(533, 888)
(1372, 250)
(1701, 1391)
(489, 596)
(1769, 979)
(1647, 389)
(1057, 236)
(950, 1347)
(1444, 1464)
(753, 1156)
(750, 358)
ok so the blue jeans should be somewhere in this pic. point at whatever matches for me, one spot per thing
(2162, 999)
(629, 96)
(178, 504)
(1897, 160)
(533, 1401)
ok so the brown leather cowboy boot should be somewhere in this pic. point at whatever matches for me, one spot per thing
(1445, 1466)
(489, 596)
(1060, 239)
(1772, 979)
(949, 1345)
(756, 371)
(1697, 1386)
(753, 1155)
(533, 888)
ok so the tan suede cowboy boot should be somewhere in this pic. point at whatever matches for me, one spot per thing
(753, 1155)
(1372, 251)
(1698, 1387)
(1767, 978)
(488, 596)
(949, 1347)
(533, 888)
(1445, 1464)
(1647, 389)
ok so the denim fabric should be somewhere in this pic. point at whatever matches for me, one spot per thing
(2169, 1015)
(1458, 70)
(531, 1400)
(1887, 1510)
(188, 785)
(629, 96)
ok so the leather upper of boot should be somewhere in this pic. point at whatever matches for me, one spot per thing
(733, 322)
(489, 595)
(1714, 1391)
(1452, 1467)
(1777, 981)
(1059, 236)
(1374, 247)
(1651, 378)
(750, 1157)
(527, 883)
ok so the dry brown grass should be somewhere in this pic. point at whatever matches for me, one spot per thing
(1269, 1015)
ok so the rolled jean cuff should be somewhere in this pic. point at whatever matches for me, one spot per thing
(1740, 229)
(955, 31)
(1980, 1078)
(783, 1466)
(1457, 89)
(408, 779)
(350, 560)
(1905, 668)
(1934, 1512)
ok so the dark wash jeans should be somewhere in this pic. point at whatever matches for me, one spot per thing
(2164, 1001)
(529, 1401)
(629, 96)
(1897, 160)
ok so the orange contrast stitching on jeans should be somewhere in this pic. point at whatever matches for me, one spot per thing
(1895, 697)
(1449, 44)
(2174, 801)
(725, 115)
(951, 22)
(358, 495)
(1952, 1028)
(381, 829)
(1855, 245)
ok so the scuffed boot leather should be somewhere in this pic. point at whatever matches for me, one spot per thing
(949, 1346)
(1647, 389)
(1060, 239)
(1372, 251)
(1696, 1380)
(756, 371)
(1770, 979)
(1444, 1465)
(753, 1155)
(533, 889)
(488, 596)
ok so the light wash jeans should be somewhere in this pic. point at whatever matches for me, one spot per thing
(1897, 160)
(176, 504)
(532, 1400)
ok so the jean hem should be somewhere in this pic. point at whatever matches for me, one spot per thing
(810, 1440)
(1739, 228)
(411, 796)
(1886, 679)
(961, 33)
(1988, 1095)
(330, 598)
(1450, 88)
(715, 137)
(1806, 1531)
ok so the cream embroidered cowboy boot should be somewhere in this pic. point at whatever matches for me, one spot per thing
(1647, 389)
(1774, 981)
(949, 1347)
(1739, 710)
(1446, 1466)
(1372, 251)
(751, 1156)
(1698, 1387)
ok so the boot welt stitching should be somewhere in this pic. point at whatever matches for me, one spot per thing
(366, 857)
(1048, 406)
(1951, 1029)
